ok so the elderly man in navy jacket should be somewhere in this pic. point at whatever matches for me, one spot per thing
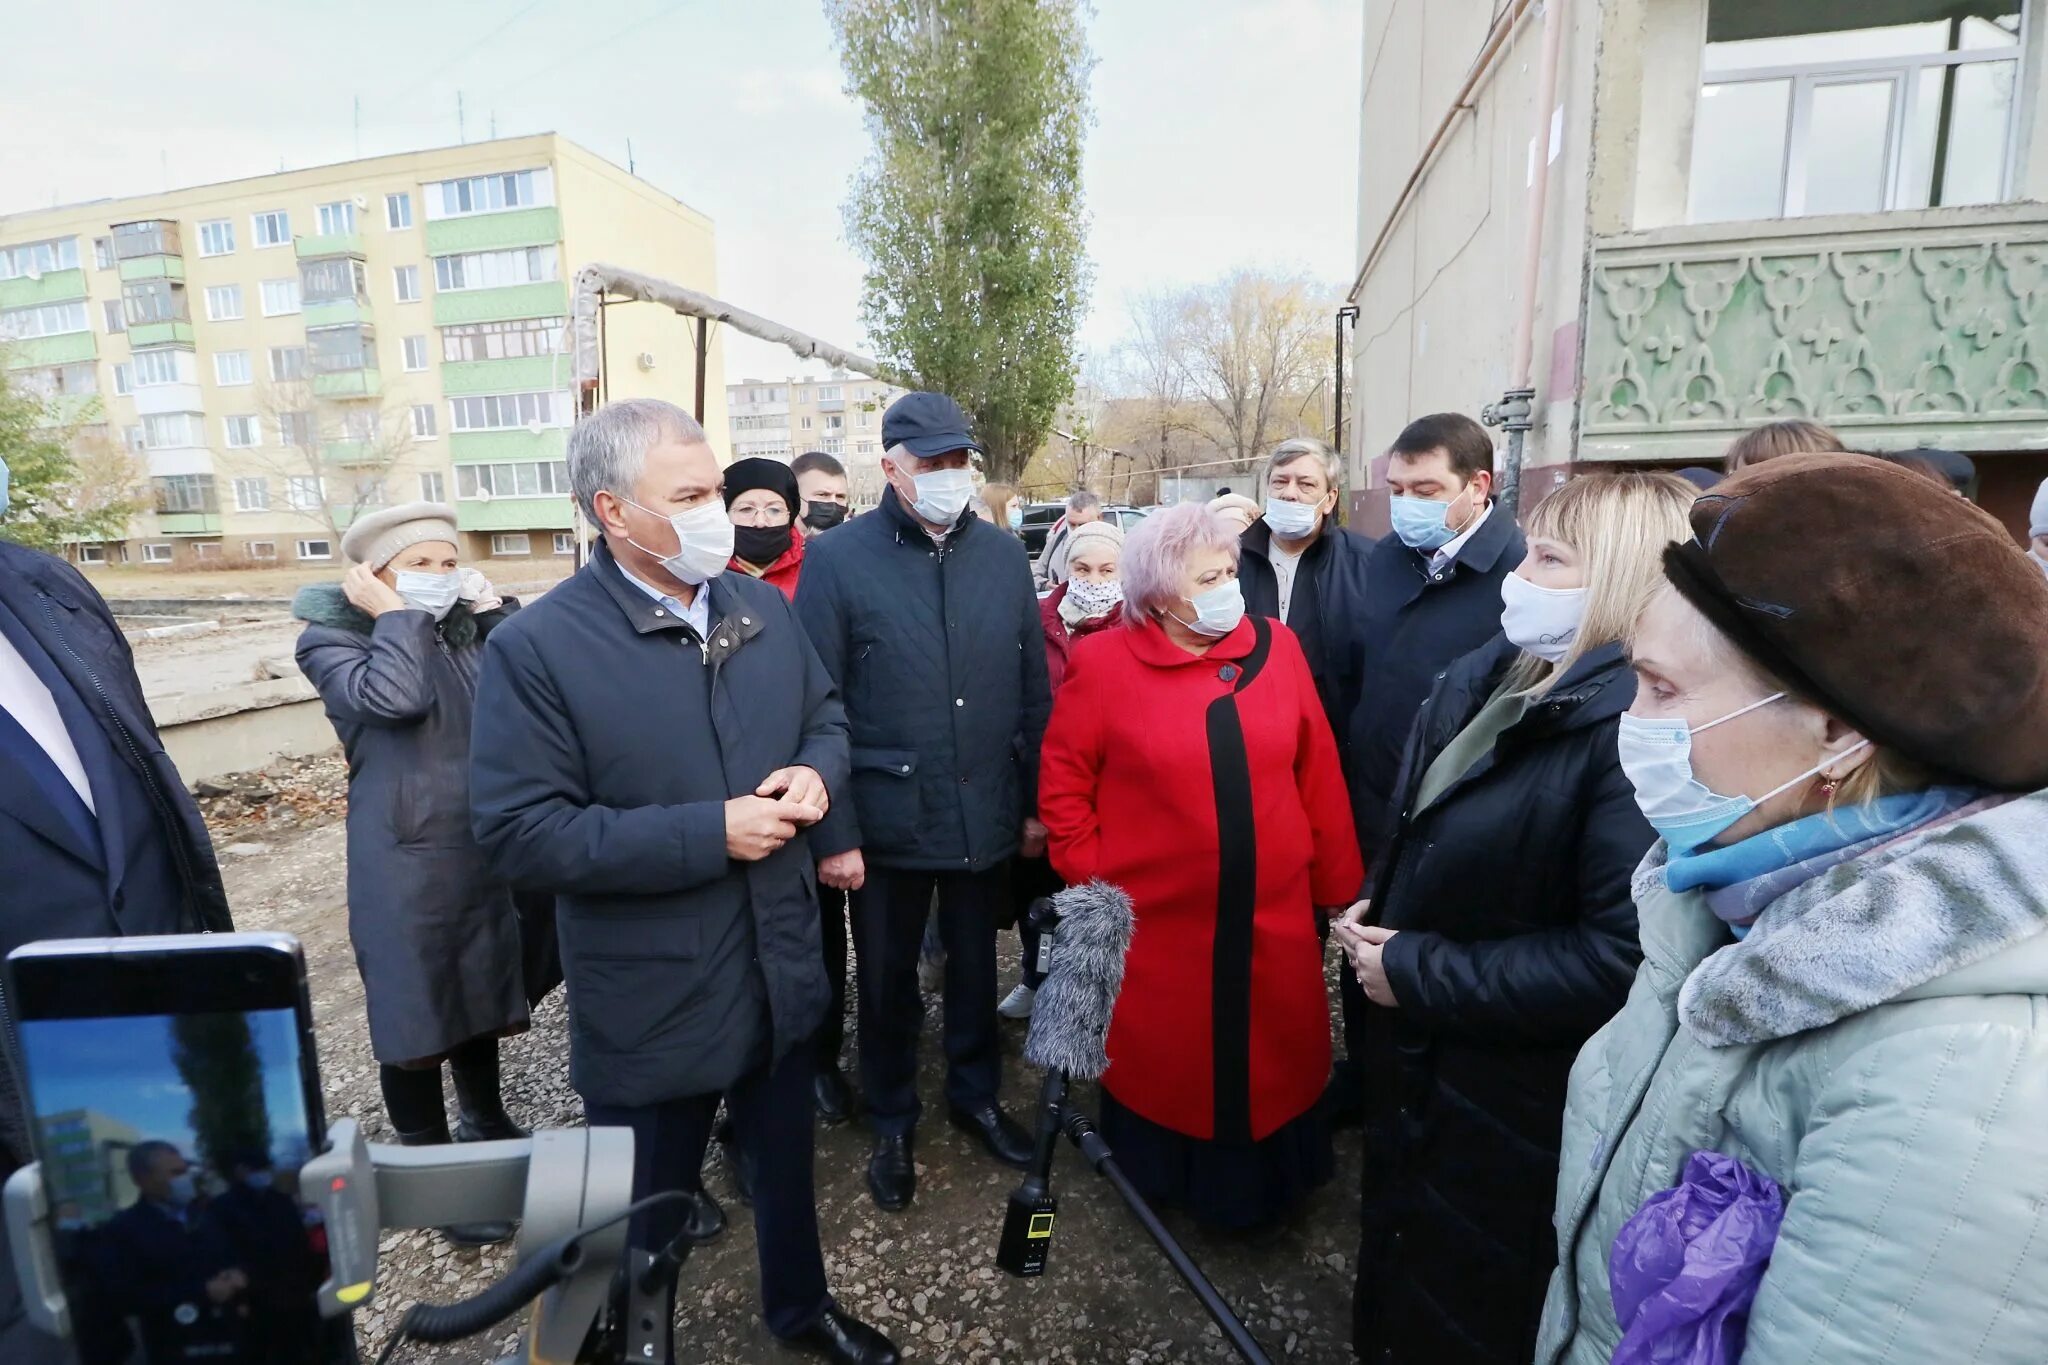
(92, 814)
(654, 740)
(926, 618)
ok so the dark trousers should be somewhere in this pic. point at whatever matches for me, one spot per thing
(771, 1115)
(831, 1035)
(889, 915)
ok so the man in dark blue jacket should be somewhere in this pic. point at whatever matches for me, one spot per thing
(1300, 567)
(926, 618)
(653, 740)
(92, 813)
(1432, 596)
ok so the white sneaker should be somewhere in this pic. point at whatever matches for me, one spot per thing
(1017, 1004)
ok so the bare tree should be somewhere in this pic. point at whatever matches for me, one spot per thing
(335, 455)
(1253, 346)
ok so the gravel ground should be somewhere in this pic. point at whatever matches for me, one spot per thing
(926, 1276)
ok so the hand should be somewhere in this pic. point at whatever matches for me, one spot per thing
(369, 593)
(1034, 837)
(756, 826)
(797, 784)
(1355, 916)
(1365, 945)
(478, 592)
(846, 871)
(226, 1285)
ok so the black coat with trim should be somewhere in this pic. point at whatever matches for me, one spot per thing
(1329, 610)
(1516, 942)
(608, 740)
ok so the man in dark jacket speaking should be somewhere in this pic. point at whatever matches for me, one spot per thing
(926, 618)
(653, 739)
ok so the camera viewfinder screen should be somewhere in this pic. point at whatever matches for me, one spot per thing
(170, 1148)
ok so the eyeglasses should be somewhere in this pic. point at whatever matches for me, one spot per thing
(771, 511)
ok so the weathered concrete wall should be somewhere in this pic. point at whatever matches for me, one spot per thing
(239, 729)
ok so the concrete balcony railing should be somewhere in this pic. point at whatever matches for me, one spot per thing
(331, 244)
(1900, 330)
(361, 382)
(188, 523)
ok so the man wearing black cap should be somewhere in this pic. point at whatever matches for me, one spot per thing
(926, 619)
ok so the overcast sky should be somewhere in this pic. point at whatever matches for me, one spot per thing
(1226, 131)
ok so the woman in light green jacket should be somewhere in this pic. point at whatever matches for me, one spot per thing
(1841, 733)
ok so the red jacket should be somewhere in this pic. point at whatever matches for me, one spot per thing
(1223, 1028)
(784, 571)
(1059, 641)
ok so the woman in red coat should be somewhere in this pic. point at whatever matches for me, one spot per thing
(1189, 762)
(761, 499)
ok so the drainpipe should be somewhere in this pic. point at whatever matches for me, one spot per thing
(1348, 313)
(1516, 411)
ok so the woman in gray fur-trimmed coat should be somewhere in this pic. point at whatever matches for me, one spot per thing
(394, 651)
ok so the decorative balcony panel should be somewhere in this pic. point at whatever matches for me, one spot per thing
(494, 231)
(490, 447)
(72, 409)
(1929, 333)
(520, 374)
(355, 454)
(365, 383)
(514, 514)
(55, 286)
(333, 244)
(153, 268)
(36, 352)
(549, 300)
(335, 313)
(188, 523)
(141, 334)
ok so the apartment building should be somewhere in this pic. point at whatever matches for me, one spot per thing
(840, 414)
(282, 354)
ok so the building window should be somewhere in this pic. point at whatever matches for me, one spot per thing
(38, 258)
(359, 424)
(405, 283)
(103, 253)
(423, 422)
(806, 424)
(271, 229)
(565, 542)
(515, 543)
(521, 479)
(835, 422)
(117, 320)
(505, 411)
(502, 340)
(295, 429)
(397, 211)
(1802, 115)
(217, 237)
(206, 549)
(243, 432)
(341, 350)
(494, 269)
(131, 437)
(316, 549)
(124, 378)
(223, 302)
(490, 193)
(172, 430)
(303, 493)
(260, 549)
(230, 367)
(159, 553)
(251, 495)
(92, 554)
(287, 362)
(415, 354)
(184, 493)
(156, 367)
(332, 280)
(433, 488)
(43, 320)
(337, 219)
(369, 491)
(280, 297)
(153, 301)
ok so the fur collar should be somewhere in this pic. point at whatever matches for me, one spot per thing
(1892, 922)
(324, 604)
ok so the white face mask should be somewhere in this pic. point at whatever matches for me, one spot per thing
(943, 495)
(1292, 520)
(1538, 620)
(1217, 611)
(1092, 599)
(430, 592)
(703, 541)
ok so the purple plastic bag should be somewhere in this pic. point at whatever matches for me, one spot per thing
(1685, 1269)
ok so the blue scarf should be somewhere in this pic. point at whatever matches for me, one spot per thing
(1741, 880)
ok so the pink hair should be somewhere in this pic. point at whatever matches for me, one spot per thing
(1154, 566)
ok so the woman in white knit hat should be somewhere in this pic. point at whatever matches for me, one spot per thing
(394, 650)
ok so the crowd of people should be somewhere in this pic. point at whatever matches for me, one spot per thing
(1684, 846)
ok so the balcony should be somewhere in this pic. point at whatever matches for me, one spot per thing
(153, 268)
(514, 514)
(173, 333)
(334, 312)
(147, 237)
(55, 286)
(188, 523)
(518, 374)
(365, 382)
(494, 231)
(351, 454)
(63, 349)
(331, 244)
(1928, 330)
(488, 447)
(547, 300)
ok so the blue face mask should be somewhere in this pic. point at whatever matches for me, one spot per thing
(1424, 523)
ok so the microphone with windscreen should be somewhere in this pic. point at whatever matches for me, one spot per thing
(1084, 932)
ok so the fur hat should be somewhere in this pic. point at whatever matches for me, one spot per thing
(758, 471)
(1887, 602)
(378, 538)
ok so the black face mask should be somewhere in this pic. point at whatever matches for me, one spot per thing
(761, 546)
(823, 516)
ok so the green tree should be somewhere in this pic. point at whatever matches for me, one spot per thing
(66, 481)
(217, 1060)
(968, 209)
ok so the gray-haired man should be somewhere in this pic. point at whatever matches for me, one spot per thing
(652, 744)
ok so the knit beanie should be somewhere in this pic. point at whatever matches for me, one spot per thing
(378, 538)
(1081, 536)
(757, 471)
(2037, 519)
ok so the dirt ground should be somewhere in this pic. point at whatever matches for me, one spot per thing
(926, 1276)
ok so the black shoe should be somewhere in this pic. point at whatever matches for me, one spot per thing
(487, 1127)
(461, 1234)
(1000, 1134)
(482, 1109)
(838, 1337)
(1344, 1097)
(834, 1096)
(892, 1173)
(703, 1220)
